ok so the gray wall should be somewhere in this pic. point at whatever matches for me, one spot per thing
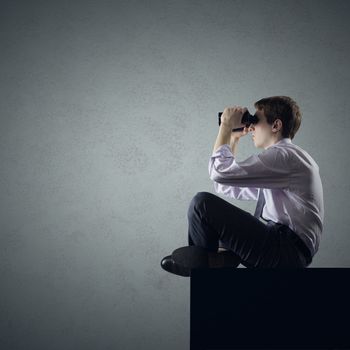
(108, 119)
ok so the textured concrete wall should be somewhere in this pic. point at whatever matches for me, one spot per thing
(108, 119)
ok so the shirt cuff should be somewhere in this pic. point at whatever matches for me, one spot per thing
(223, 150)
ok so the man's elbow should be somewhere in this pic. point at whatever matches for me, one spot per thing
(215, 177)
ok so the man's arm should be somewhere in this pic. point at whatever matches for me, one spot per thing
(234, 143)
(241, 193)
(272, 168)
(224, 136)
(230, 119)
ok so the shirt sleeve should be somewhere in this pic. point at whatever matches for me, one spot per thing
(241, 193)
(270, 169)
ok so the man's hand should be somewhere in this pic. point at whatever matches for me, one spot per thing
(236, 135)
(232, 117)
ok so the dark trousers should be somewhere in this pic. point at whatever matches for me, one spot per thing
(214, 222)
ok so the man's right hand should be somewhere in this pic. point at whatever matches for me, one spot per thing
(236, 135)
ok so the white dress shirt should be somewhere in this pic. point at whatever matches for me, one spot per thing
(289, 178)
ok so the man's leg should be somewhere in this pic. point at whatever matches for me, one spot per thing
(213, 220)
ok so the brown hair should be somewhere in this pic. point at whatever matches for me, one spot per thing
(283, 108)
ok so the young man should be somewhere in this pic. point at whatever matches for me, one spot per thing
(284, 179)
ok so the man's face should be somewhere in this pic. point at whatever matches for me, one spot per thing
(262, 131)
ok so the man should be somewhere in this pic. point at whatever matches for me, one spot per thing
(284, 179)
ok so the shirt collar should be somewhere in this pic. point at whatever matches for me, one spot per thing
(285, 140)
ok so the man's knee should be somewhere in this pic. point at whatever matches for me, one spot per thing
(198, 201)
(201, 197)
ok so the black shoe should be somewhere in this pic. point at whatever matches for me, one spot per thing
(198, 257)
(191, 257)
(184, 259)
(168, 264)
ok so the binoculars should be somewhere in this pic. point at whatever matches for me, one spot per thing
(247, 119)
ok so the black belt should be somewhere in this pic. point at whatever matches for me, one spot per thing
(297, 240)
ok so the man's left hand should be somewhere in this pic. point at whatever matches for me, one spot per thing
(232, 116)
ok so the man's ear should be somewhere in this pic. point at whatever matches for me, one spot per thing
(277, 125)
